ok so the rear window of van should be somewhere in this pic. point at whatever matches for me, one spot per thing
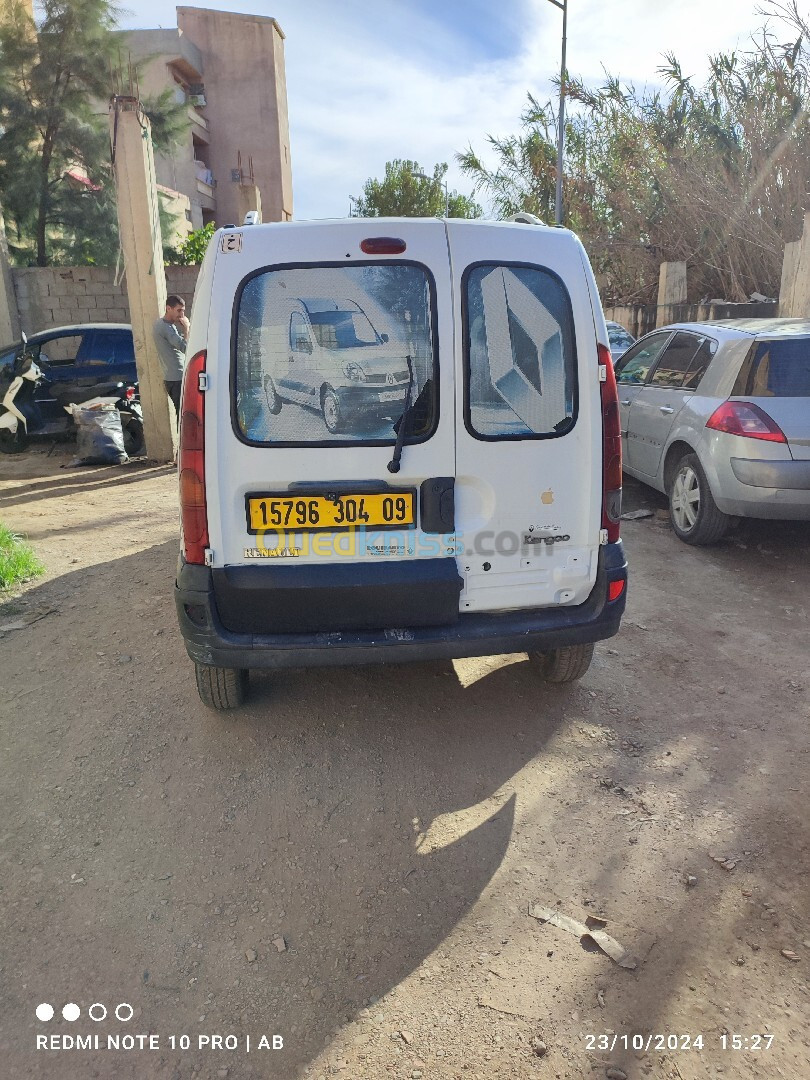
(328, 355)
(520, 357)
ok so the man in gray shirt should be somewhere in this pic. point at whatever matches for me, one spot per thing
(171, 337)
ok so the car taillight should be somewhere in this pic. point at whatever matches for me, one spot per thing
(191, 463)
(611, 447)
(746, 419)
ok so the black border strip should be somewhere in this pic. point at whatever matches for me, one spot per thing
(465, 321)
(273, 267)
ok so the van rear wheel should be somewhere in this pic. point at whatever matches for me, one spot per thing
(566, 664)
(221, 688)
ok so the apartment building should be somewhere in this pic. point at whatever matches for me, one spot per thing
(228, 69)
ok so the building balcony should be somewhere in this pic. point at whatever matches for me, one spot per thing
(206, 195)
(199, 126)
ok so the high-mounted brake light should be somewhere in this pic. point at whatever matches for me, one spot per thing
(611, 447)
(746, 419)
(191, 462)
(382, 245)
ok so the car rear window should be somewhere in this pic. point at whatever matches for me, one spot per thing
(325, 355)
(778, 368)
(520, 357)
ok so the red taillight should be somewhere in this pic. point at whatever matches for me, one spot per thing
(129, 393)
(746, 419)
(191, 463)
(611, 447)
(615, 589)
(382, 245)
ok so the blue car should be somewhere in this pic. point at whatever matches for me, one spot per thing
(78, 356)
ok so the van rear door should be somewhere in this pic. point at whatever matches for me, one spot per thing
(309, 529)
(529, 454)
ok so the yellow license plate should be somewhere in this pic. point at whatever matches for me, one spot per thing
(386, 510)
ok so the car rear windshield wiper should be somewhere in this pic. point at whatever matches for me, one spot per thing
(393, 464)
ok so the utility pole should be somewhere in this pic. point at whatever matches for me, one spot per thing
(142, 248)
(9, 315)
(558, 201)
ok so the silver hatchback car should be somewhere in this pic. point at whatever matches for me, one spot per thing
(717, 416)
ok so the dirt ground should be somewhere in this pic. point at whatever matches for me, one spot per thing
(348, 862)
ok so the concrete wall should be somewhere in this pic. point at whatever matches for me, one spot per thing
(640, 319)
(246, 106)
(49, 296)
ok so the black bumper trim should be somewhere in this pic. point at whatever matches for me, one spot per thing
(479, 634)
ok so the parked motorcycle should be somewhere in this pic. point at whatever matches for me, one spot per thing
(32, 407)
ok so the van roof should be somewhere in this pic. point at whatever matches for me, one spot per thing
(377, 221)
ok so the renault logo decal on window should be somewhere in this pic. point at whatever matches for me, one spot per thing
(389, 378)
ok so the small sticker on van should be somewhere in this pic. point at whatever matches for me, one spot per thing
(231, 242)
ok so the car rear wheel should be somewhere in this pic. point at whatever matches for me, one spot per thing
(566, 664)
(694, 513)
(221, 688)
(332, 412)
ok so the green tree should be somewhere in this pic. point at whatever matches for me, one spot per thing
(714, 174)
(407, 191)
(55, 176)
(195, 245)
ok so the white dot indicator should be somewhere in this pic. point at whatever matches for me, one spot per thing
(71, 1012)
(125, 1005)
(97, 1016)
(44, 1011)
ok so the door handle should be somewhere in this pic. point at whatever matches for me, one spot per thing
(667, 410)
(625, 402)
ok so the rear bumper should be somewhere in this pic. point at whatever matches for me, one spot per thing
(793, 475)
(772, 489)
(480, 634)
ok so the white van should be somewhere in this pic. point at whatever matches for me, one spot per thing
(399, 441)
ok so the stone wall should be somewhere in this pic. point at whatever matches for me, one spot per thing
(49, 296)
(640, 319)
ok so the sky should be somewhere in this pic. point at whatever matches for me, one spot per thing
(373, 80)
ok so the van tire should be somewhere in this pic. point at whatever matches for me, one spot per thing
(271, 396)
(221, 688)
(710, 524)
(331, 411)
(566, 664)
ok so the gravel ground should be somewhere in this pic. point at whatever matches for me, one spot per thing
(349, 861)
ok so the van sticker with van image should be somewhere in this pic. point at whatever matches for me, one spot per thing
(328, 355)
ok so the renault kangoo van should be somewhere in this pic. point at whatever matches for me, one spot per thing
(399, 441)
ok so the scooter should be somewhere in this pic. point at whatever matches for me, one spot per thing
(19, 412)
